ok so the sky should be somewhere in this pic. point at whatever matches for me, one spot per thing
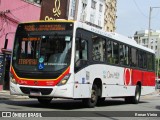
(133, 15)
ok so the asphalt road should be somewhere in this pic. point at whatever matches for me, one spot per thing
(110, 109)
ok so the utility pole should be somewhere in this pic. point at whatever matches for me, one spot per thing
(149, 28)
(157, 63)
(149, 35)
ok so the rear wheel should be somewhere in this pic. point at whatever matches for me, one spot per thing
(91, 102)
(134, 99)
(44, 100)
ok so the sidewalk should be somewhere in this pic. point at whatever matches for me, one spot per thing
(5, 95)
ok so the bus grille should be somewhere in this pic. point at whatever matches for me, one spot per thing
(44, 91)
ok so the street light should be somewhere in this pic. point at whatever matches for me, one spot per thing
(149, 28)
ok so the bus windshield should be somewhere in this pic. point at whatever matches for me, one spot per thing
(42, 50)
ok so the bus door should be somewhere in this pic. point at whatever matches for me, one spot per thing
(81, 68)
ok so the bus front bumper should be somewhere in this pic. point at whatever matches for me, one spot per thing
(65, 91)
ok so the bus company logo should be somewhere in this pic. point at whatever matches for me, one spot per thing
(35, 82)
(127, 76)
(6, 114)
(113, 75)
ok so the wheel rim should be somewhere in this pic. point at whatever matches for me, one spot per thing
(93, 96)
(137, 95)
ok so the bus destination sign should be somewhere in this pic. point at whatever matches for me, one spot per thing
(50, 27)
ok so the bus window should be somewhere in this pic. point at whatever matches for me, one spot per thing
(134, 57)
(27, 48)
(140, 59)
(144, 60)
(124, 54)
(112, 52)
(81, 50)
(98, 51)
(116, 52)
(150, 62)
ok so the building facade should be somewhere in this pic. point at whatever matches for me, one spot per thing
(110, 15)
(101, 13)
(12, 13)
(90, 11)
(154, 43)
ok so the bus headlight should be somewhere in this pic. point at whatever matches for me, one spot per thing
(12, 79)
(64, 80)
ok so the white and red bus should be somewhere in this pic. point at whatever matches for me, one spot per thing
(69, 59)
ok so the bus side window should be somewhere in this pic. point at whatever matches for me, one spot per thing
(123, 54)
(134, 57)
(112, 52)
(99, 48)
(81, 50)
(150, 60)
(109, 52)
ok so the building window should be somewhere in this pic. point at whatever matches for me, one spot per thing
(83, 14)
(93, 4)
(143, 41)
(100, 7)
(34, 1)
(156, 48)
(92, 18)
(73, 9)
(99, 22)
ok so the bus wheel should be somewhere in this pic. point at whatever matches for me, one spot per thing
(101, 100)
(134, 99)
(44, 100)
(91, 102)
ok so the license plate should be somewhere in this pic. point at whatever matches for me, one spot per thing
(35, 93)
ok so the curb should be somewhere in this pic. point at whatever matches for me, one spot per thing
(5, 95)
(13, 97)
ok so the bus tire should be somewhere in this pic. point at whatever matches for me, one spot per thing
(44, 100)
(91, 102)
(134, 99)
(101, 101)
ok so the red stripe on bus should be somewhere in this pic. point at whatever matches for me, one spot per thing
(39, 82)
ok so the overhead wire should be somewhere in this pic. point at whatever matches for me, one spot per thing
(139, 9)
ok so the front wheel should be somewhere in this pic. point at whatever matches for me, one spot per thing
(91, 102)
(44, 100)
(134, 99)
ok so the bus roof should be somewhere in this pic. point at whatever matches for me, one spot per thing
(113, 35)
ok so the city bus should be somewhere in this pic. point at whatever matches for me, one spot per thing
(74, 60)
